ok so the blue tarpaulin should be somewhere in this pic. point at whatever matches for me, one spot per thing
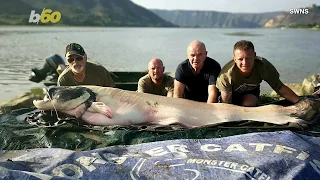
(269, 155)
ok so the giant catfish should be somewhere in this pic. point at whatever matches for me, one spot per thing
(111, 106)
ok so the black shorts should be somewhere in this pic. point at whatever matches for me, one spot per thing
(237, 98)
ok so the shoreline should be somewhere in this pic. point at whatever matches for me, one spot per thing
(157, 27)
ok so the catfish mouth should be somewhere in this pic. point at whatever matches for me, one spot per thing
(65, 98)
(61, 105)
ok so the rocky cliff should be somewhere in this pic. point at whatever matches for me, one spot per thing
(307, 17)
(215, 19)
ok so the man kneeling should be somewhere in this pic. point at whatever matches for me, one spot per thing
(239, 80)
(156, 82)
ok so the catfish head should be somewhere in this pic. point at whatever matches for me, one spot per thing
(308, 109)
(65, 98)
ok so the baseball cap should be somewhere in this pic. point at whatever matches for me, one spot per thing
(74, 48)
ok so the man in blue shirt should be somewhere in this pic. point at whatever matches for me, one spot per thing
(195, 78)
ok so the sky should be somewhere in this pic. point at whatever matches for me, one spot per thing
(249, 6)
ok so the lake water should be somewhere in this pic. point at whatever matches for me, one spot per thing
(294, 52)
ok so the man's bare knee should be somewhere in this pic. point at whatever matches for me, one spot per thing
(250, 100)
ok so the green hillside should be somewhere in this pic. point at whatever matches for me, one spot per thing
(82, 13)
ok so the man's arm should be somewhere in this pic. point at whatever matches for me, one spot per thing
(178, 89)
(141, 86)
(272, 78)
(213, 94)
(226, 97)
(170, 85)
(288, 94)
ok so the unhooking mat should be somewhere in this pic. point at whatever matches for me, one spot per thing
(68, 148)
(268, 155)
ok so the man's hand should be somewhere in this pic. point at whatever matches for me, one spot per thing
(226, 97)
(170, 94)
(178, 89)
(213, 94)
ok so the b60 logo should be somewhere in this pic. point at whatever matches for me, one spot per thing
(46, 16)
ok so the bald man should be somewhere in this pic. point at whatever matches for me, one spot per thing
(156, 82)
(195, 78)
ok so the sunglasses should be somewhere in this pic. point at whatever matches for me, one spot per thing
(77, 58)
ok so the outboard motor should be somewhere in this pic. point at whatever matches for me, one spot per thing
(49, 69)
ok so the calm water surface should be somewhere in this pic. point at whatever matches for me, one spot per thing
(295, 53)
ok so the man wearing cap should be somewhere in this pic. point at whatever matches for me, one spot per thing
(81, 72)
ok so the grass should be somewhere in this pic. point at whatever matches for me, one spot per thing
(267, 98)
